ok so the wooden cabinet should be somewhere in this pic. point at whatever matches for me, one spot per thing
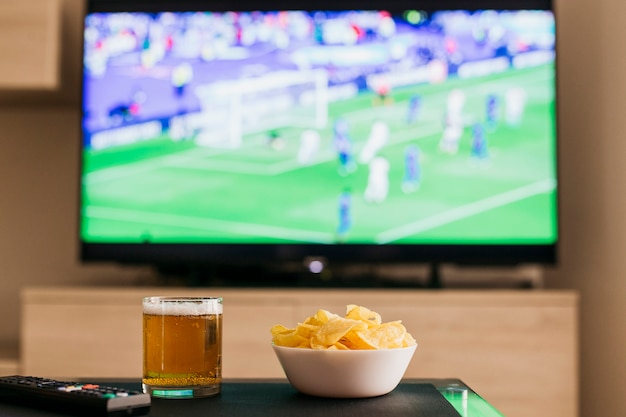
(29, 44)
(519, 349)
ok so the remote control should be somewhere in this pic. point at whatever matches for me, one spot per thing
(79, 399)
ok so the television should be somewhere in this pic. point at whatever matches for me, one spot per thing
(221, 136)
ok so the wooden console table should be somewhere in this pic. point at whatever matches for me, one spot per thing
(487, 338)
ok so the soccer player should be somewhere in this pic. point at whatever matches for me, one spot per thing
(452, 132)
(383, 91)
(378, 137)
(345, 216)
(415, 105)
(456, 103)
(275, 140)
(515, 103)
(412, 169)
(129, 111)
(309, 146)
(479, 143)
(453, 124)
(492, 112)
(343, 146)
(182, 74)
(377, 181)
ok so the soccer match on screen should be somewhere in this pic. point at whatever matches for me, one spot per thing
(319, 127)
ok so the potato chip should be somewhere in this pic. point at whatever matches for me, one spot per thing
(360, 329)
(283, 336)
(358, 341)
(364, 314)
(322, 316)
(338, 346)
(408, 340)
(333, 330)
(386, 336)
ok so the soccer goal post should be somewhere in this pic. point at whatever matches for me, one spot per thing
(280, 99)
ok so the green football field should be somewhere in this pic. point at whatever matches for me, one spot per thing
(166, 191)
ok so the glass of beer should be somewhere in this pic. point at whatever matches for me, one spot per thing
(182, 346)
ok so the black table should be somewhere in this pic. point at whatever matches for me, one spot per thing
(276, 398)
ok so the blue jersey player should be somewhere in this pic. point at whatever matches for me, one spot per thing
(479, 143)
(492, 112)
(345, 217)
(412, 169)
(415, 104)
(343, 146)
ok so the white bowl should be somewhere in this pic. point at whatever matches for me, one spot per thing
(344, 373)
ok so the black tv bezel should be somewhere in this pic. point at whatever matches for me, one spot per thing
(271, 5)
(204, 254)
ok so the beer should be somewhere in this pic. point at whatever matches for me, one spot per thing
(182, 346)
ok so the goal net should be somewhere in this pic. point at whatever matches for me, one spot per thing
(232, 109)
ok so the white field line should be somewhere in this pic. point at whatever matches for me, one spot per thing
(123, 171)
(467, 210)
(196, 223)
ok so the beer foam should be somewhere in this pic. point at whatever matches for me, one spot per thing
(182, 307)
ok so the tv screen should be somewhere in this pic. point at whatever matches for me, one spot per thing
(376, 131)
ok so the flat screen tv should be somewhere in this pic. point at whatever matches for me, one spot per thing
(270, 132)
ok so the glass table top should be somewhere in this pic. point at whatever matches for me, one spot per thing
(466, 402)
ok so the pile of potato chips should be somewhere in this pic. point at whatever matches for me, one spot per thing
(361, 328)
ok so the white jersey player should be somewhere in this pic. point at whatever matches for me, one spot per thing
(309, 146)
(377, 139)
(515, 102)
(377, 181)
(453, 124)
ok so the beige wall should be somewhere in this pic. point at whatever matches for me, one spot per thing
(593, 168)
(38, 165)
